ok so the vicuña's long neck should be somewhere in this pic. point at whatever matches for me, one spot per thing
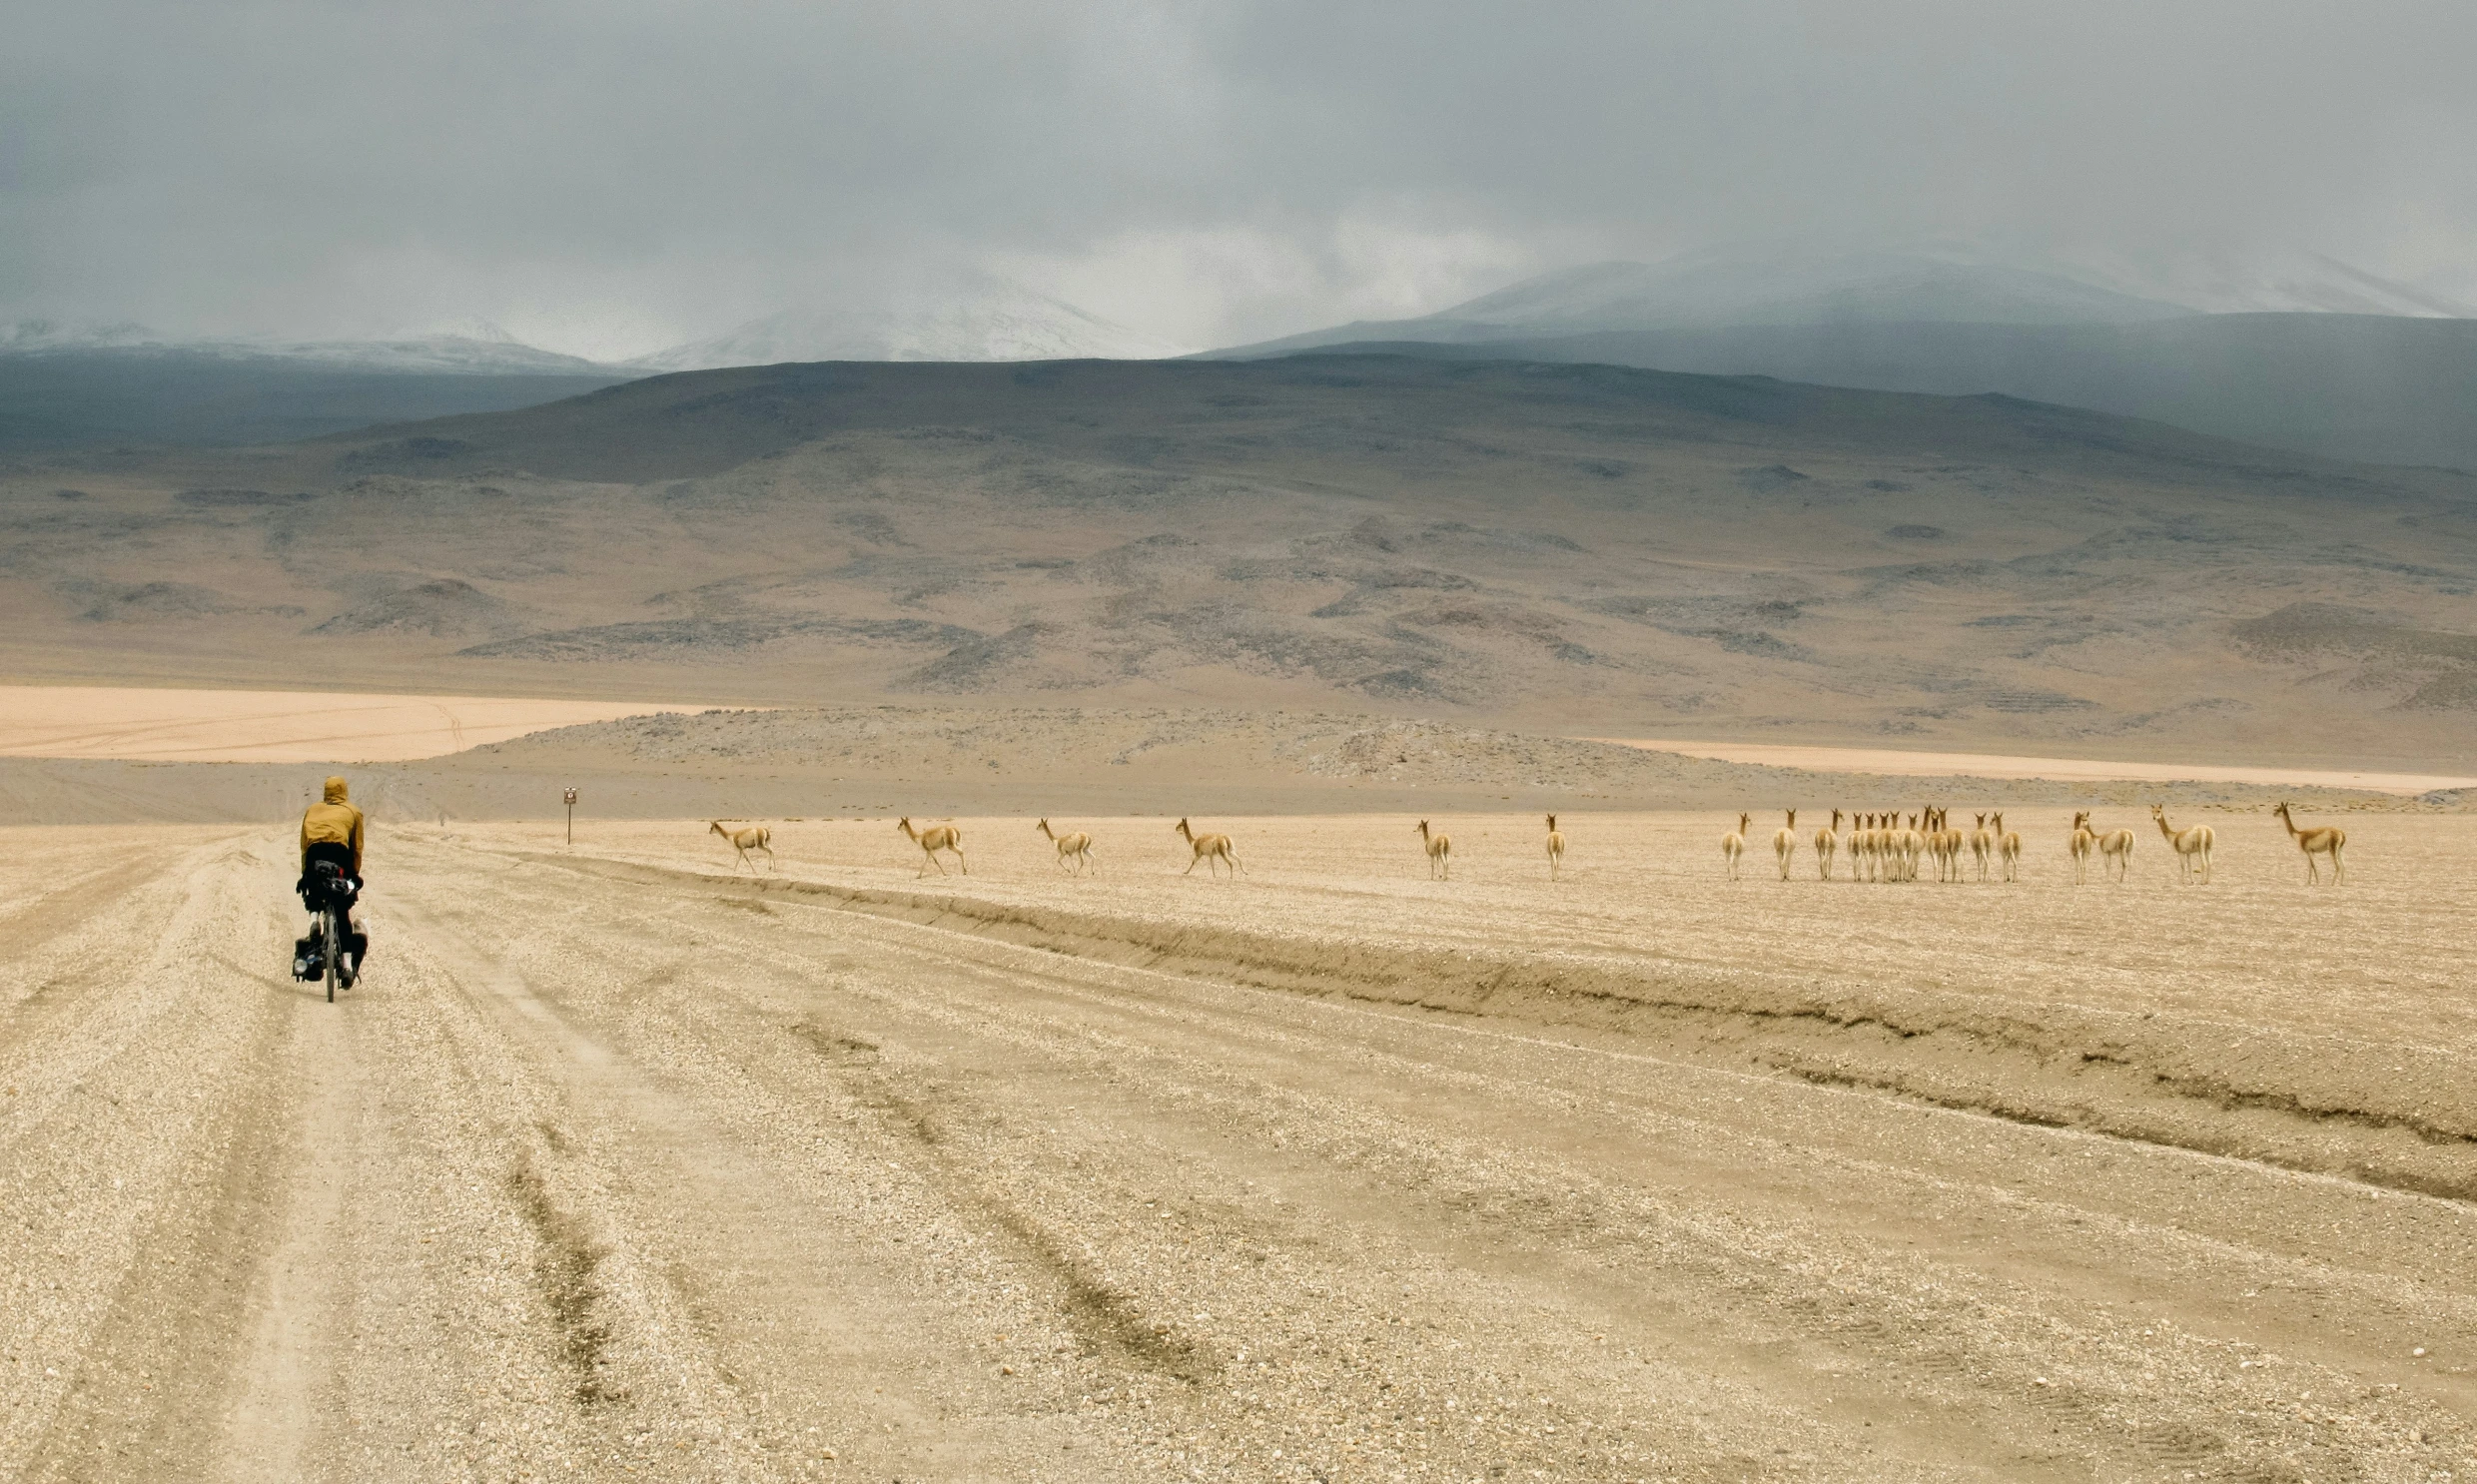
(2293, 831)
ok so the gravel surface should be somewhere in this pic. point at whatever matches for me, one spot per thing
(621, 1166)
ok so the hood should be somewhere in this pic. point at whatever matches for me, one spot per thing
(336, 790)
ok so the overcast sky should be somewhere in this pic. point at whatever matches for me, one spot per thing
(609, 177)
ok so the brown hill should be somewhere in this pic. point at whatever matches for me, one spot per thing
(1566, 548)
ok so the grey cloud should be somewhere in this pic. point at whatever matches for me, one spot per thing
(338, 168)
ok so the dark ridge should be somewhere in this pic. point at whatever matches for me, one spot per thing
(68, 399)
(693, 424)
(238, 498)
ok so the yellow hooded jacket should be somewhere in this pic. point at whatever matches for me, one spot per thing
(334, 822)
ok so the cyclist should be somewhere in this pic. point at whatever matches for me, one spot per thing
(331, 831)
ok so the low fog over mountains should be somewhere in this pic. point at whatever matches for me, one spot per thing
(68, 386)
(2303, 353)
(475, 348)
(82, 387)
(2307, 353)
(1935, 285)
(987, 321)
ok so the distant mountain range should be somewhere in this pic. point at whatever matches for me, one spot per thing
(71, 387)
(1928, 286)
(995, 322)
(2301, 352)
(972, 319)
(475, 348)
(68, 386)
(2306, 354)
(1586, 546)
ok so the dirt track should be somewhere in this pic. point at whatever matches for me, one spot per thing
(617, 1166)
(270, 726)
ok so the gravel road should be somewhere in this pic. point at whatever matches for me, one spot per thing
(618, 1165)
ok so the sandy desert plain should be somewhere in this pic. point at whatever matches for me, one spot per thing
(629, 1159)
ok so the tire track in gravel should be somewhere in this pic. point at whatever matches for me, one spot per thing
(56, 969)
(1104, 1316)
(302, 1291)
(807, 1332)
(2311, 1103)
(661, 1179)
(1611, 1063)
(2104, 1410)
(1128, 1210)
(140, 1159)
(1584, 1225)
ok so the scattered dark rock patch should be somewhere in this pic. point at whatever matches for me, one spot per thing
(443, 608)
(1749, 641)
(980, 662)
(2438, 669)
(398, 452)
(680, 640)
(1771, 479)
(225, 499)
(161, 602)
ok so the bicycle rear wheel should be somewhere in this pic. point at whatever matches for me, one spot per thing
(332, 929)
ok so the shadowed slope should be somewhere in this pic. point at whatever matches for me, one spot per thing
(1150, 413)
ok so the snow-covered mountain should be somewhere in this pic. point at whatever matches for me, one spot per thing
(28, 336)
(1006, 322)
(2293, 350)
(1710, 289)
(2294, 280)
(475, 348)
(1931, 283)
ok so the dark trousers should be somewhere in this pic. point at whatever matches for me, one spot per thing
(341, 857)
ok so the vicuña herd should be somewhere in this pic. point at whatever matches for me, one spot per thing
(1882, 846)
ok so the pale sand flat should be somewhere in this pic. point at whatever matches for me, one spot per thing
(2059, 769)
(274, 726)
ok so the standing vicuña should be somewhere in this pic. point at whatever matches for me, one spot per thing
(1944, 842)
(1209, 849)
(2192, 845)
(1733, 844)
(2323, 840)
(2116, 849)
(744, 840)
(2009, 849)
(1440, 852)
(931, 841)
(1827, 845)
(1785, 843)
(1865, 856)
(1982, 844)
(1076, 846)
(1556, 848)
(2085, 840)
(1908, 846)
